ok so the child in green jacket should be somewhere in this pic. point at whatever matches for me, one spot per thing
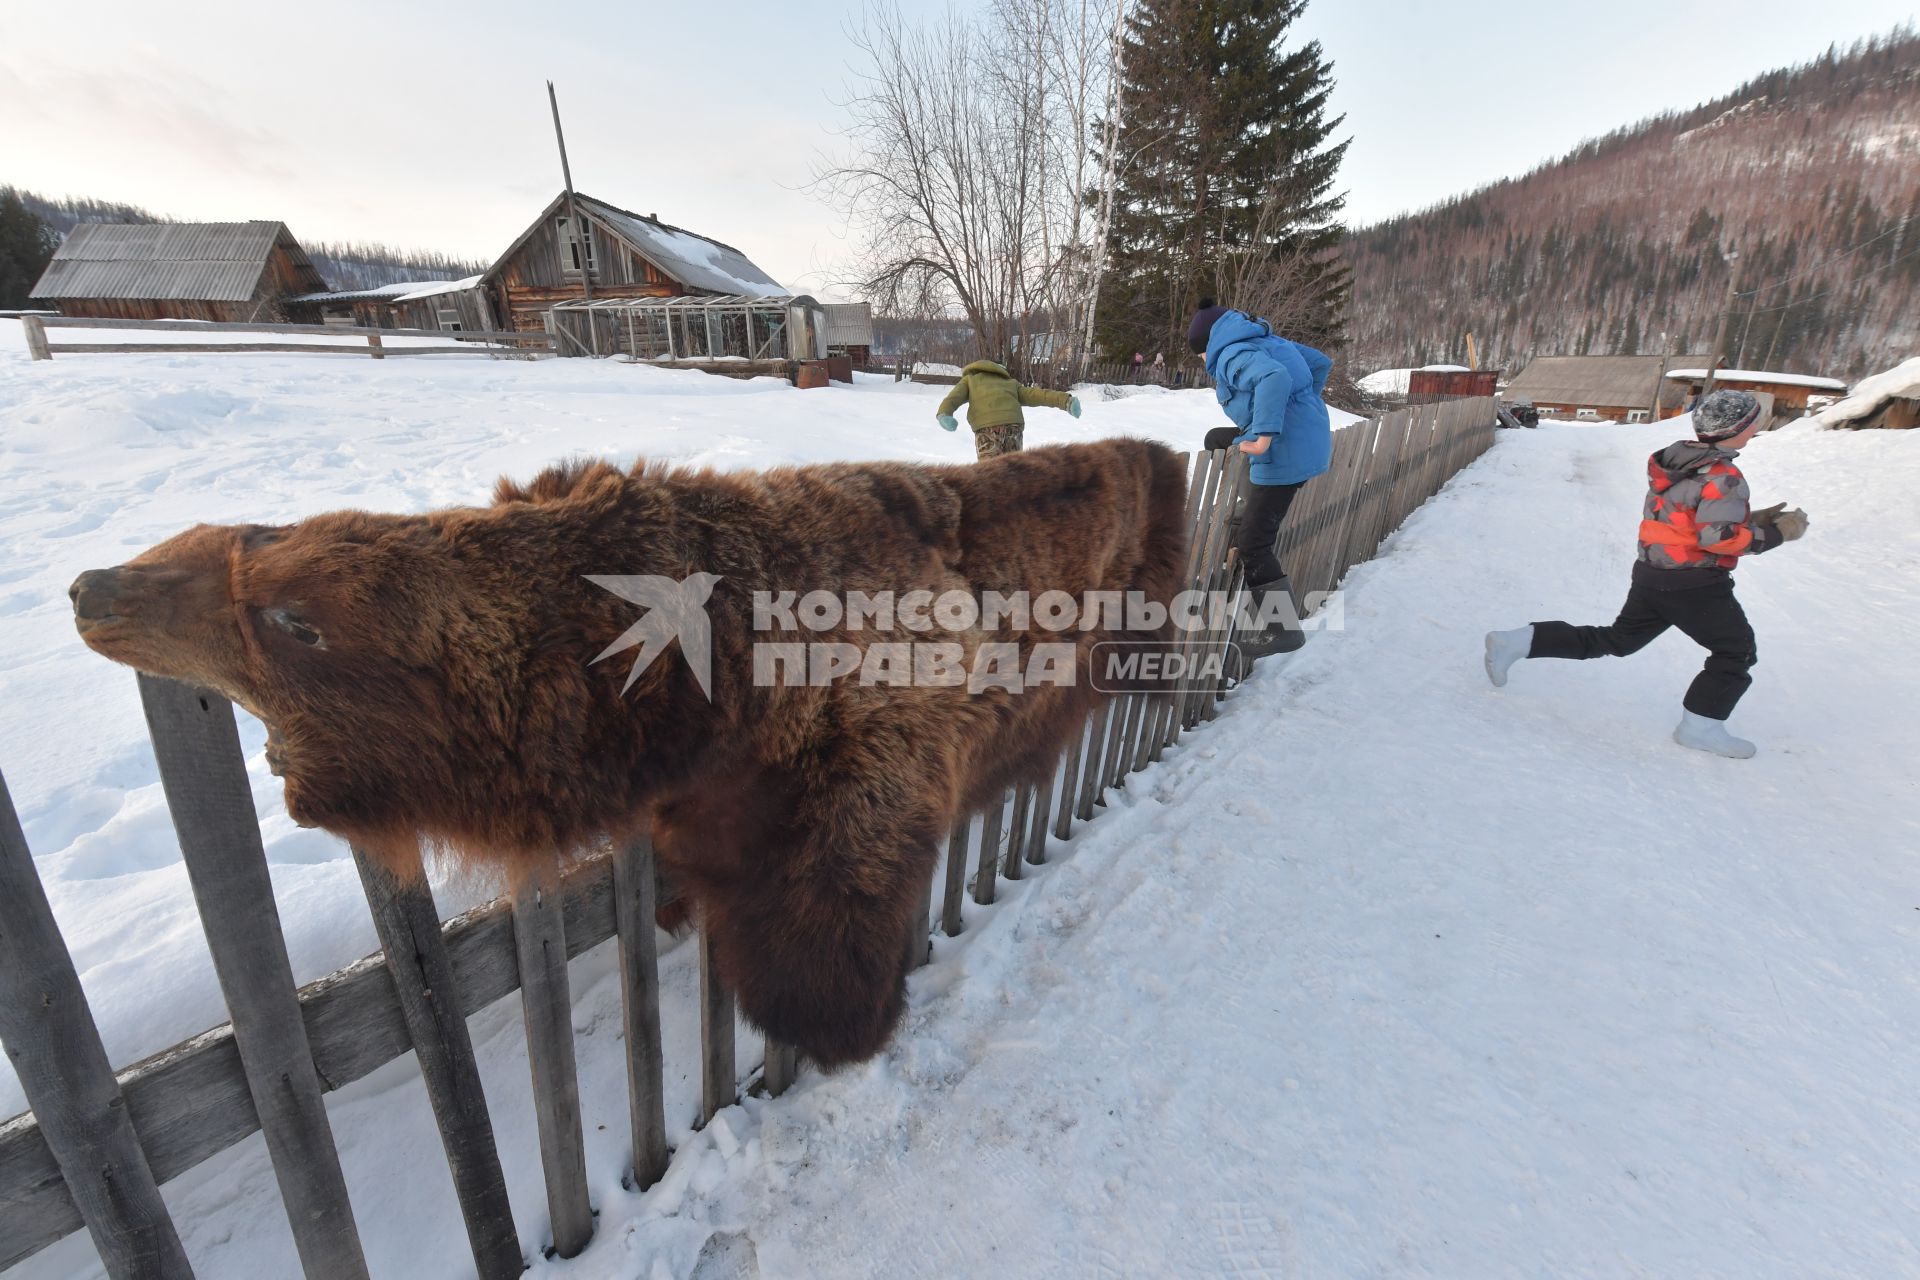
(993, 401)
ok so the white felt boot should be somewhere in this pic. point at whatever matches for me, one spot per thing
(1504, 648)
(1703, 734)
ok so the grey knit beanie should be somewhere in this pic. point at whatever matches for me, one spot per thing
(1723, 415)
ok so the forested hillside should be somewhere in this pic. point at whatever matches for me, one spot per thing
(344, 266)
(1812, 174)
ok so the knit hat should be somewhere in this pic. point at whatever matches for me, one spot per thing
(1724, 415)
(1203, 324)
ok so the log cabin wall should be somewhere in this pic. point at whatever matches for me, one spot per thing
(532, 279)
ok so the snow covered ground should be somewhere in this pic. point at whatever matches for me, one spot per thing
(1384, 973)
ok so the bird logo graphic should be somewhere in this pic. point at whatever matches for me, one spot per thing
(675, 611)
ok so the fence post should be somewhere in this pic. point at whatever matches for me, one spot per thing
(36, 337)
(988, 865)
(633, 914)
(204, 777)
(1017, 829)
(719, 1076)
(546, 1006)
(374, 348)
(1069, 774)
(1090, 775)
(55, 1049)
(1042, 814)
(956, 875)
(416, 953)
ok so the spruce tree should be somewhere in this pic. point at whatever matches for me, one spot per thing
(26, 246)
(1224, 172)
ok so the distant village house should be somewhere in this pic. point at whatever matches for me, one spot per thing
(1790, 391)
(221, 271)
(1602, 388)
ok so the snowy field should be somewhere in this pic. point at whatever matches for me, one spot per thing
(1385, 973)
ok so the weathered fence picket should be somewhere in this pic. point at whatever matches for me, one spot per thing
(50, 1038)
(197, 746)
(546, 1006)
(634, 904)
(269, 1069)
(408, 925)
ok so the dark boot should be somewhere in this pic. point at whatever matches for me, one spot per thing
(1282, 636)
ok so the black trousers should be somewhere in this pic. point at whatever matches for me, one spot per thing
(1708, 615)
(1260, 528)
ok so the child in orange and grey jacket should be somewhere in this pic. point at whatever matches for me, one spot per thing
(1695, 526)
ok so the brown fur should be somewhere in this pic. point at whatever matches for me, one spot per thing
(450, 699)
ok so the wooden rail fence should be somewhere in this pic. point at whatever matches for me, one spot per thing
(468, 341)
(95, 1145)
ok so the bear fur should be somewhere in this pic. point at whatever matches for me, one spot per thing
(430, 679)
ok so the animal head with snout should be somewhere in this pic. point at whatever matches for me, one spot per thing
(420, 677)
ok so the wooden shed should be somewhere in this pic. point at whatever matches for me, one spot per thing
(1601, 388)
(222, 271)
(621, 255)
(415, 304)
(1424, 386)
(850, 331)
(1889, 400)
(1790, 391)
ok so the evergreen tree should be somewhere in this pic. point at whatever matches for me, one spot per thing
(1224, 175)
(26, 246)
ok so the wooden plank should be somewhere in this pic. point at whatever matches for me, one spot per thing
(1090, 773)
(719, 1076)
(1017, 831)
(781, 1066)
(408, 924)
(51, 1040)
(35, 329)
(1069, 774)
(373, 346)
(546, 1005)
(956, 885)
(986, 868)
(1036, 843)
(634, 904)
(204, 776)
(919, 944)
(332, 330)
(219, 348)
(190, 1102)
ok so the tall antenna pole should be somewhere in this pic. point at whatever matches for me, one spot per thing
(574, 229)
(1726, 313)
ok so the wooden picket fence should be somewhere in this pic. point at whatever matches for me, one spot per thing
(96, 1144)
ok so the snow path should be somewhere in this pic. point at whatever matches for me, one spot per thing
(1389, 973)
(1383, 973)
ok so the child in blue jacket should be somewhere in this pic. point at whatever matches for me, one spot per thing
(1270, 389)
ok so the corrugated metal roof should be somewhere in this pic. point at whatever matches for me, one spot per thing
(202, 261)
(849, 324)
(1599, 381)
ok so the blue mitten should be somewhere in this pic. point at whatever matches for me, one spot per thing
(949, 422)
(1073, 405)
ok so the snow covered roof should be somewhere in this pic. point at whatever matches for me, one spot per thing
(683, 256)
(1599, 381)
(1760, 375)
(198, 261)
(1900, 382)
(402, 291)
(1394, 382)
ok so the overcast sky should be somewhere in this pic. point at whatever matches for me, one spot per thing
(426, 126)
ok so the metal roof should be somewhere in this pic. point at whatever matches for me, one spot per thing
(1599, 381)
(683, 256)
(1731, 376)
(849, 324)
(403, 291)
(202, 261)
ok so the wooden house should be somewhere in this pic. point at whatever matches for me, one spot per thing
(1790, 391)
(1601, 388)
(620, 255)
(223, 271)
(417, 304)
(850, 332)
